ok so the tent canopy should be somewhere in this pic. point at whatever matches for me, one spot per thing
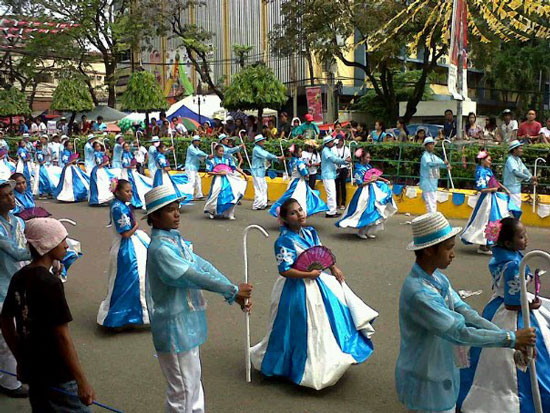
(109, 114)
(188, 107)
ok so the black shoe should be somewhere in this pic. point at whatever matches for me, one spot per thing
(20, 393)
(333, 216)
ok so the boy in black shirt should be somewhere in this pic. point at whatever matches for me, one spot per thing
(35, 323)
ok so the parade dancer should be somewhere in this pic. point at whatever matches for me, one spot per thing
(481, 390)
(259, 158)
(46, 176)
(89, 160)
(7, 168)
(100, 178)
(430, 164)
(180, 182)
(515, 172)
(227, 188)
(175, 278)
(141, 184)
(74, 184)
(192, 165)
(125, 301)
(117, 151)
(229, 150)
(13, 253)
(435, 323)
(23, 194)
(329, 162)
(24, 165)
(152, 156)
(491, 205)
(318, 326)
(298, 188)
(372, 203)
(66, 153)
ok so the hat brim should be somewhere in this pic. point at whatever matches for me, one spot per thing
(9, 182)
(415, 247)
(157, 207)
(329, 140)
(511, 148)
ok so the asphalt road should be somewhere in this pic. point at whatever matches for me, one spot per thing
(125, 373)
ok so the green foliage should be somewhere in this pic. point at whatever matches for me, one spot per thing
(143, 94)
(241, 52)
(13, 103)
(72, 95)
(255, 87)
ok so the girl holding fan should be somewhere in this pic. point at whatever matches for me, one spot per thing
(140, 183)
(180, 182)
(100, 178)
(372, 203)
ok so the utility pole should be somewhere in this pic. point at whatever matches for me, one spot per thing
(294, 87)
(460, 102)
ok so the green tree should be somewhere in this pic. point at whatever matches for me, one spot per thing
(255, 87)
(72, 95)
(13, 103)
(143, 94)
(241, 53)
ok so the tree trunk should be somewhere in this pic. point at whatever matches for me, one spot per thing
(310, 68)
(71, 121)
(260, 116)
(110, 68)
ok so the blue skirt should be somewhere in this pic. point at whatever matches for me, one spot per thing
(180, 182)
(225, 192)
(309, 200)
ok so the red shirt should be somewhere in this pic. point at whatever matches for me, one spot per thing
(529, 129)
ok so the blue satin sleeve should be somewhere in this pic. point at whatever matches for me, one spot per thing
(121, 218)
(285, 254)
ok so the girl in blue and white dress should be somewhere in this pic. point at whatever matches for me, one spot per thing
(125, 301)
(74, 184)
(227, 187)
(24, 163)
(140, 183)
(66, 153)
(491, 205)
(318, 326)
(298, 188)
(23, 195)
(493, 383)
(100, 178)
(7, 168)
(163, 176)
(372, 203)
(48, 175)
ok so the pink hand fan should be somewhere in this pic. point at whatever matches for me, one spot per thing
(73, 157)
(105, 158)
(493, 182)
(373, 172)
(36, 212)
(133, 162)
(222, 167)
(537, 284)
(315, 258)
(359, 153)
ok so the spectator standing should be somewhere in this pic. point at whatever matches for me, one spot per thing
(84, 125)
(284, 126)
(153, 129)
(420, 135)
(23, 128)
(403, 131)
(140, 155)
(490, 130)
(342, 171)
(34, 127)
(508, 130)
(272, 130)
(449, 126)
(360, 134)
(230, 126)
(472, 129)
(251, 127)
(239, 126)
(378, 135)
(308, 129)
(545, 132)
(42, 128)
(62, 126)
(180, 128)
(100, 126)
(313, 161)
(218, 127)
(3, 143)
(529, 131)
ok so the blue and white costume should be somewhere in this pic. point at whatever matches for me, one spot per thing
(318, 327)
(73, 253)
(23, 201)
(490, 207)
(117, 156)
(430, 164)
(509, 390)
(125, 302)
(100, 182)
(180, 182)
(64, 157)
(329, 163)
(74, 184)
(140, 183)
(24, 165)
(6, 168)
(89, 161)
(298, 188)
(192, 164)
(370, 206)
(259, 158)
(48, 175)
(152, 161)
(225, 190)
(514, 174)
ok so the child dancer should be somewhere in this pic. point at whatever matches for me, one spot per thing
(7, 168)
(298, 188)
(509, 390)
(435, 323)
(491, 205)
(192, 165)
(24, 165)
(175, 278)
(35, 322)
(372, 203)
(163, 176)
(318, 326)
(329, 162)
(141, 184)
(23, 195)
(515, 172)
(68, 149)
(227, 188)
(430, 164)
(259, 158)
(125, 301)
(46, 176)
(74, 184)
(100, 178)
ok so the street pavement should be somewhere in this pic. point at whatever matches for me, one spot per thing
(122, 366)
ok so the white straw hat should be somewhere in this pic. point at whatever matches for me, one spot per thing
(431, 229)
(159, 197)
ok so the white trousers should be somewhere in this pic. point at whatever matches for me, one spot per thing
(7, 363)
(260, 192)
(330, 189)
(182, 371)
(431, 201)
(516, 198)
(195, 182)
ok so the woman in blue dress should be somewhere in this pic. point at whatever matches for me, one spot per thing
(228, 185)
(24, 163)
(125, 301)
(74, 184)
(491, 205)
(140, 183)
(372, 203)
(298, 188)
(48, 177)
(100, 178)
(7, 168)
(23, 195)
(318, 326)
(493, 382)
(163, 176)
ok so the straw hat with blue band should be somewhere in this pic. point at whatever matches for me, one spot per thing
(159, 197)
(9, 182)
(431, 229)
(196, 138)
(428, 140)
(514, 144)
(259, 138)
(328, 139)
